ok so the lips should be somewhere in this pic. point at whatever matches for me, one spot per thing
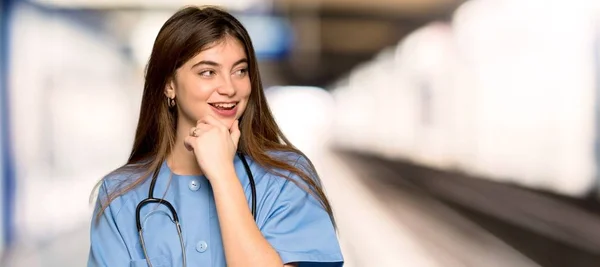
(225, 109)
(224, 105)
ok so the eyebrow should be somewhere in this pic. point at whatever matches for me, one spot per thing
(212, 63)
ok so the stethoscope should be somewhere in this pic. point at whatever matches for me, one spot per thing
(175, 218)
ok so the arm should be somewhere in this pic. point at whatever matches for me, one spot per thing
(243, 242)
(294, 229)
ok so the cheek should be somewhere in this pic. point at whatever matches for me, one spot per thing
(245, 88)
(198, 91)
(192, 95)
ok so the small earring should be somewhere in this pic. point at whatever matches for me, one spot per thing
(171, 102)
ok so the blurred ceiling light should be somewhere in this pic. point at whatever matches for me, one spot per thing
(167, 4)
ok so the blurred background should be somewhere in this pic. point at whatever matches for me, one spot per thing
(446, 132)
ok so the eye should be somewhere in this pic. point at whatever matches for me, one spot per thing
(241, 72)
(207, 73)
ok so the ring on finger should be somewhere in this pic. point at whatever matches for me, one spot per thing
(194, 132)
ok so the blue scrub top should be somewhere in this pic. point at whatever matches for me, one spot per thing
(291, 220)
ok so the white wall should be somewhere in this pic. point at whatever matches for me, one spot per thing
(74, 100)
(511, 95)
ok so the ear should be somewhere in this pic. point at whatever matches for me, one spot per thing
(170, 89)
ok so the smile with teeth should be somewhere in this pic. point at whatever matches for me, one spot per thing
(224, 106)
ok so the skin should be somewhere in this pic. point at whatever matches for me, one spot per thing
(206, 143)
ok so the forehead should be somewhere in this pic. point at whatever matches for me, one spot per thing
(226, 50)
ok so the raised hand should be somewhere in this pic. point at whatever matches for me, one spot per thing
(214, 145)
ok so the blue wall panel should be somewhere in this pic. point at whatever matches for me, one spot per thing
(7, 175)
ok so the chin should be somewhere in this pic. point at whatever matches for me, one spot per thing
(228, 122)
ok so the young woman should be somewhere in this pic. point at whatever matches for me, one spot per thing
(211, 180)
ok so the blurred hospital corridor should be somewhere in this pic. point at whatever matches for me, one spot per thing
(446, 133)
(385, 219)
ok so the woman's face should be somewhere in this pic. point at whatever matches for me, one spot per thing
(214, 82)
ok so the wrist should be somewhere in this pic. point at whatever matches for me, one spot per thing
(224, 176)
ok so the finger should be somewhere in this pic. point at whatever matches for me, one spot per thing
(189, 143)
(193, 131)
(235, 133)
(199, 129)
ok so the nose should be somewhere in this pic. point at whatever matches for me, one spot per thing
(227, 87)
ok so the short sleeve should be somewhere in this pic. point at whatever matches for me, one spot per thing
(107, 247)
(300, 230)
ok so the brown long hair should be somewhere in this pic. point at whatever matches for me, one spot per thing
(184, 35)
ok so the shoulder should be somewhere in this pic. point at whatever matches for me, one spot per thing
(294, 174)
(294, 159)
(302, 166)
(119, 179)
(281, 174)
(117, 188)
(287, 156)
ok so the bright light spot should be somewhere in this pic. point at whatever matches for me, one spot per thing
(304, 114)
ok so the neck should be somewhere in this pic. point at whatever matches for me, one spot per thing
(182, 161)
